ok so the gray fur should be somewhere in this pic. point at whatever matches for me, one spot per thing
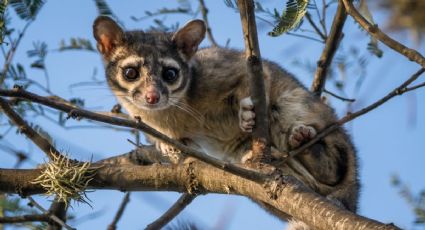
(213, 82)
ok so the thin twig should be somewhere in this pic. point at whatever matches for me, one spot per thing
(304, 36)
(58, 209)
(339, 97)
(123, 205)
(396, 92)
(415, 87)
(51, 216)
(375, 32)
(260, 134)
(172, 212)
(82, 113)
(323, 19)
(29, 132)
(204, 12)
(11, 53)
(315, 27)
(331, 46)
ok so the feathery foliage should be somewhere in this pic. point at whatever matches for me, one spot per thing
(103, 8)
(372, 46)
(27, 9)
(415, 201)
(76, 44)
(291, 17)
(3, 6)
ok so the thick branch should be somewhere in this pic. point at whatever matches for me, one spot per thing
(260, 134)
(24, 218)
(172, 212)
(29, 132)
(331, 46)
(285, 193)
(82, 113)
(373, 30)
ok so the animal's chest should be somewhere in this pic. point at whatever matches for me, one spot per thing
(229, 150)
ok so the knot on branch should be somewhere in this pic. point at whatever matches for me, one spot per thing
(74, 115)
(253, 60)
(275, 185)
(193, 186)
(138, 119)
(66, 179)
(17, 87)
(373, 28)
(321, 63)
(23, 129)
(116, 108)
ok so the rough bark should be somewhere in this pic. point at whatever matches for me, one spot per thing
(283, 192)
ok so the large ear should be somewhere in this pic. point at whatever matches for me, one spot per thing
(189, 37)
(108, 34)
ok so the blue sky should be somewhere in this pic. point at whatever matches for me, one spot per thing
(389, 139)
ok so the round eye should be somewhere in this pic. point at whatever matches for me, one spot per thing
(170, 74)
(131, 74)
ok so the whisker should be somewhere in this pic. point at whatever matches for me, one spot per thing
(186, 108)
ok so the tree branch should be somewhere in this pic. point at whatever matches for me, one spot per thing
(29, 132)
(338, 97)
(24, 218)
(396, 92)
(331, 46)
(172, 212)
(51, 215)
(375, 32)
(204, 12)
(315, 27)
(283, 192)
(82, 113)
(58, 209)
(11, 53)
(123, 205)
(260, 134)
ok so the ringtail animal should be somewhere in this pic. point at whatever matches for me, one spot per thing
(201, 97)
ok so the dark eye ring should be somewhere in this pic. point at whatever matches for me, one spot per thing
(170, 74)
(131, 74)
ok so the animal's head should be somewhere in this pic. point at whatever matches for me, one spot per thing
(150, 70)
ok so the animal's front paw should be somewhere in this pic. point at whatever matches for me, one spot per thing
(246, 115)
(301, 134)
(174, 154)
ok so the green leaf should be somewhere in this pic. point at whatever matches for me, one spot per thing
(40, 52)
(27, 9)
(230, 4)
(76, 44)
(373, 48)
(291, 17)
(3, 6)
(103, 8)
